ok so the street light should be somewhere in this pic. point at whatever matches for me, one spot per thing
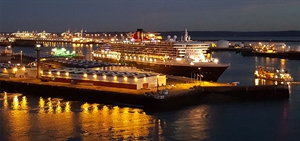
(21, 56)
(38, 49)
(200, 75)
(157, 83)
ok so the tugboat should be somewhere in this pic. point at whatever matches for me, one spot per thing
(275, 75)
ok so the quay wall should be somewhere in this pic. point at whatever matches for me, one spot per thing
(182, 99)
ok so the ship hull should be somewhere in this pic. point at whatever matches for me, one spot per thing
(208, 73)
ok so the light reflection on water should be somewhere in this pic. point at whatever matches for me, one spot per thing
(55, 118)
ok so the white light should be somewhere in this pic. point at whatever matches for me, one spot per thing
(216, 60)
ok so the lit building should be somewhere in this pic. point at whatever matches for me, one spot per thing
(129, 80)
(10, 70)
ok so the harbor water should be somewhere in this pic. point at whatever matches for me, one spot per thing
(32, 118)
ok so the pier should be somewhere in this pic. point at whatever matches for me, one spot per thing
(180, 94)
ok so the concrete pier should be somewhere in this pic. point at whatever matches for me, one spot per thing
(179, 95)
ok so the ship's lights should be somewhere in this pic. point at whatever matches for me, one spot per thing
(67, 74)
(115, 77)
(192, 63)
(23, 68)
(104, 76)
(125, 78)
(85, 75)
(58, 73)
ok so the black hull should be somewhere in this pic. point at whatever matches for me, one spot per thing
(283, 55)
(208, 73)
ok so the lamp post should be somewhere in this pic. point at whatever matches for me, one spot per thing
(200, 75)
(157, 83)
(21, 57)
(37, 49)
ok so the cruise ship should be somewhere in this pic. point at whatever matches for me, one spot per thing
(181, 58)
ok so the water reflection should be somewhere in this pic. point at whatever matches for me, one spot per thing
(59, 119)
(119, 123)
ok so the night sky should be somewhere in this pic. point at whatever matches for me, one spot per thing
(151, 15)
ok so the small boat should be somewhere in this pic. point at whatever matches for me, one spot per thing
(275, 75)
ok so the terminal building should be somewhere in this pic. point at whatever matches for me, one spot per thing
(128, 80)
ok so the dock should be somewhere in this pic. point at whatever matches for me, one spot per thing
(180, 93)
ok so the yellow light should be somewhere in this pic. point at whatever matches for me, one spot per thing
(15, 103)
(125, 78)
(50, 106)
(41, 103)
(49, 72)
(15, 70)
(85, 106)
(95, 76)
(24, 103)
(23, 68)
(58, 73)
(68, 107)
(67, 73)
(85, 75)
(145, 79)
(115, 77)
(5, 70)
(135, 79)
(104, 76)
(58, 107)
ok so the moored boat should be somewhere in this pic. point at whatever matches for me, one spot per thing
(274, 74)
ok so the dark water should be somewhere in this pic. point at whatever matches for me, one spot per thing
(29, 118)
